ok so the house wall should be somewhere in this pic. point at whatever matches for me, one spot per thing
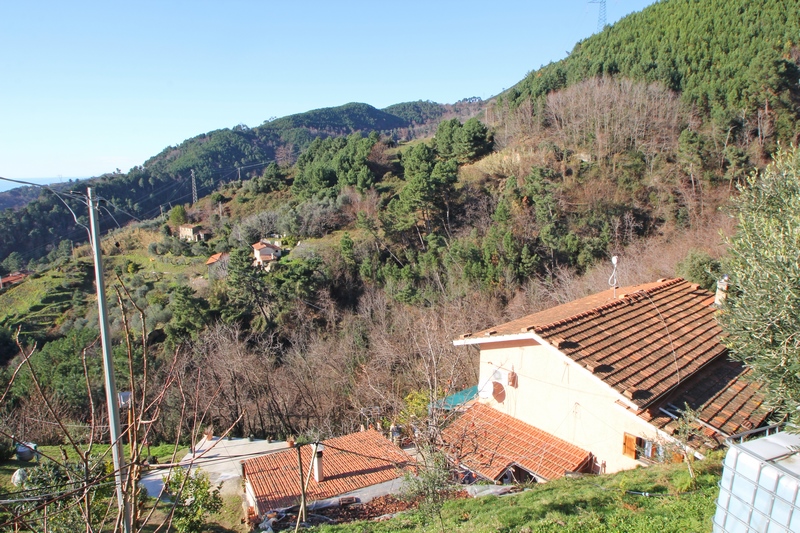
(250, 497)
(557, 395)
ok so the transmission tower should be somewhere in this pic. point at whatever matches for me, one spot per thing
(194, 189)
(601, 17)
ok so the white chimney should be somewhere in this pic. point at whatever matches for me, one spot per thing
(722, 292)
(318, 474)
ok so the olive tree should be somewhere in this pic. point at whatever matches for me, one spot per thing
(761, 315)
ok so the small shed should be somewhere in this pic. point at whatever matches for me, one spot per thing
(760, 486)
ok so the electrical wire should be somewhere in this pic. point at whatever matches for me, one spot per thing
(74, 216)
(669, 334)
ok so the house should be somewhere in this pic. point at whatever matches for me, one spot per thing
(343, 466)
(12, 278)
(218, 265)
(193, 233)
(612, 372)
(264, 252)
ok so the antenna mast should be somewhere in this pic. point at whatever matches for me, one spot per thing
(601, 17)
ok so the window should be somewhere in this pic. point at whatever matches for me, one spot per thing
(639, 448)
(629, 445)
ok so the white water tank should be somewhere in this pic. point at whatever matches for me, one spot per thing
(760, 486)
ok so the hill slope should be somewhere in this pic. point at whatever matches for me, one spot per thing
(735, 60)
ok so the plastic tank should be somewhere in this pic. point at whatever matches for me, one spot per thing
(759, 490)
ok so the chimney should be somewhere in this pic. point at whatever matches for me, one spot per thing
(318, 474)
(722, 292)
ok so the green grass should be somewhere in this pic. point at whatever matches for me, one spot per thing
(162, 452)
(41, 300)
(586, 505)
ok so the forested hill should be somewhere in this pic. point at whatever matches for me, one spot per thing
(215, 157)
(734, 60)
(733, 63)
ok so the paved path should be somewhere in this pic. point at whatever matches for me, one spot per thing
(219, 458)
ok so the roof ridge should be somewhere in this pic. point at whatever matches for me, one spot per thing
(622, 299)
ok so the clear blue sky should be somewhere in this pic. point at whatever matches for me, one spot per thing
(92, 86)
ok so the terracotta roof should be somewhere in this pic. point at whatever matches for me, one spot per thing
(217, 257)
(261, 245)
(642, 343)
(487, 442)
(369, 459)
(724, 397)
(14, 278)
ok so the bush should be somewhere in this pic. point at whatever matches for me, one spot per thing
(699, 267)
(6, 449)
(194, 500)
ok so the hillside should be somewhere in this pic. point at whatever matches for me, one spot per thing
(735, 62)
(734, 66)
(216, 157)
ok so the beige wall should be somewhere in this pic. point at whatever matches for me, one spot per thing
(557, 395)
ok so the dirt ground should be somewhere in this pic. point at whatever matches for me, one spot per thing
(376, 508)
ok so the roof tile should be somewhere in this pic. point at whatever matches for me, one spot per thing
(487, 442)
(350, 463)
(649, 338)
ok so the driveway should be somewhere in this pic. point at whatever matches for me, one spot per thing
(219, 458)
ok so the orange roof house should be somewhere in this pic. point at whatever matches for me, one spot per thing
(494, 445)
(11, 279)
(218, 265)
(348, 463)
(264, 252)
(216, 258)
(611, 373)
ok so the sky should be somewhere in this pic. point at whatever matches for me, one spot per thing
(89, 87)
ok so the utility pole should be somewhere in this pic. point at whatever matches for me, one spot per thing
(108, 365)
(194, 189)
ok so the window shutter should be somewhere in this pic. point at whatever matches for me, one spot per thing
(629, 446)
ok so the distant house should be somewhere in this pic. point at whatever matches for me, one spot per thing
(193, 233)
(610, 374)
(11, 279)
(342, 467)
(264, 252)
(218, 265)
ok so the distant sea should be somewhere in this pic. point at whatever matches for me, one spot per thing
(8, 185)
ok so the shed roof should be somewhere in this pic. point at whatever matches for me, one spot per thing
(643, 342)
(350, 463)
(488, 442)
